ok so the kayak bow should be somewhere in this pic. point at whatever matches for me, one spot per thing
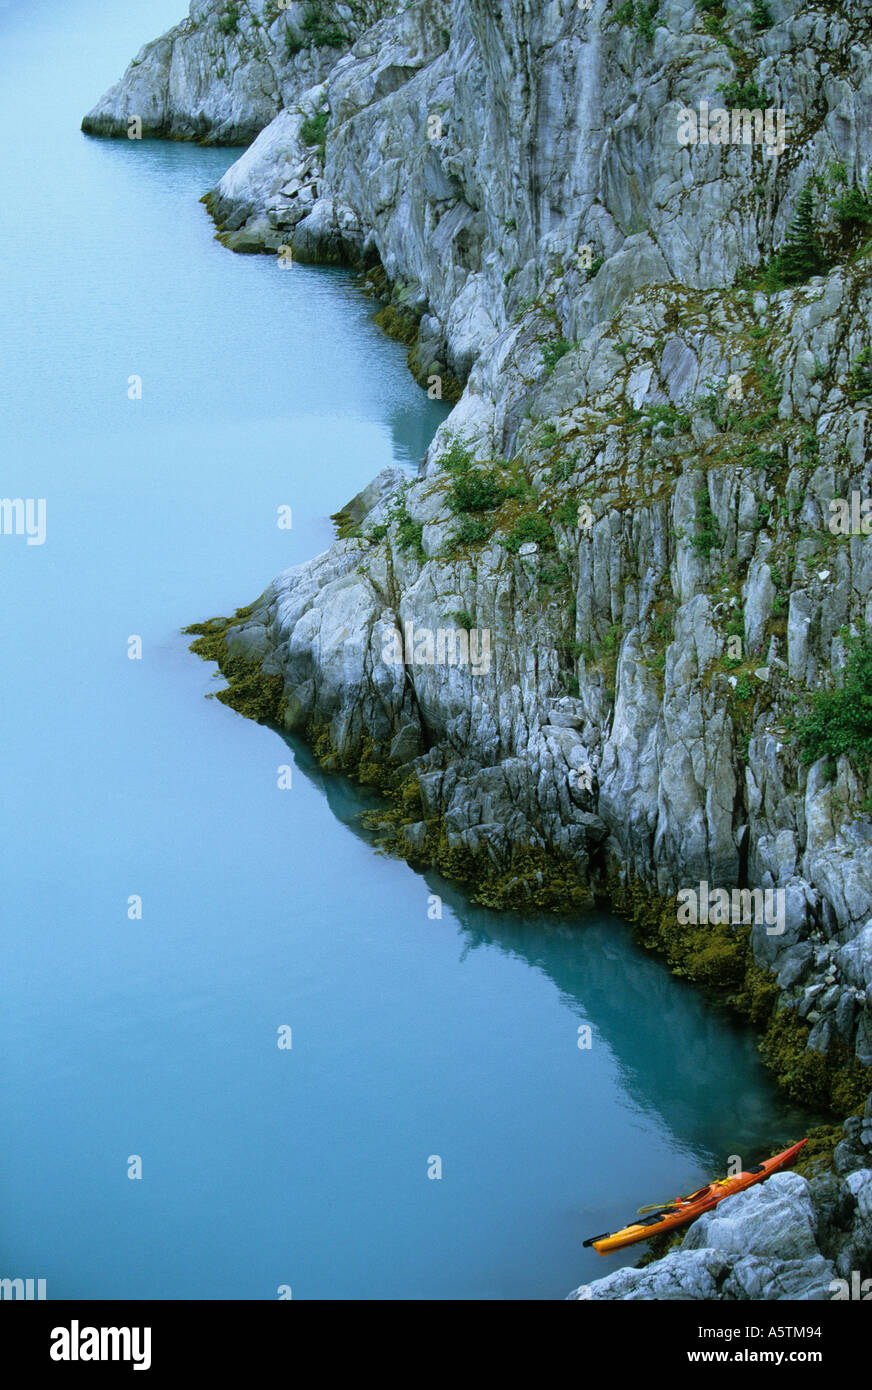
(670, 1215)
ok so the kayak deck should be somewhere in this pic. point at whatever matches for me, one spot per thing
(682, 1210)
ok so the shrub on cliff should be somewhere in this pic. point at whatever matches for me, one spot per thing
(475, 490)
(761, 16)
(471, 531)
(639, 16)
(853, 207)
(860, 377)
(457, 458)
(840, 721)
(313, 130)
(228, 22)
(530, 526)
(322, 30)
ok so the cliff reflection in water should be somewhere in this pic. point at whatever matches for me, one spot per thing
(679, 1057)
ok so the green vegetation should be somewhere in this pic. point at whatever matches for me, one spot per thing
(833, 1082)
(409, 533)
(476, 490)
(319, 30)
(663, 624)
(313, 130)
(470, 531)
(720, 959)
(817, 1156)
(398, 323)
(463, 618)
(745, 96)
(457, 458)
(761, 16)
(802, 255)
(228, 20)
(249, 691)
(552, 576)
(707, 536)
(781, 601)
(840, 721)
(746, 425)
(635, 14)
(853, 208)
(532, 878)
(860, 377)
(529, 526)
(567, 513)
(345, 524)
(713, 13)
(562, 470)
(661, 634)
(822, 233)
(554, 350)
(662, 419)
(322, 30)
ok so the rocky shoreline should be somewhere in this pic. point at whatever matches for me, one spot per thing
(661, 354)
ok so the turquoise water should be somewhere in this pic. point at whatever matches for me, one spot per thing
(261, 908)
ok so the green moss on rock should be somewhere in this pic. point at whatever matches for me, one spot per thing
(533, 878)
(817, 1156)
(401, 324)
(720, 960)
(832, 1082)
(249, 691)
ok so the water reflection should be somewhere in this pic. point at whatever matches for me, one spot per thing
(679, 1057)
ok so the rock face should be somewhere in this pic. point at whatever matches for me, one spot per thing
(227, 70)
(626, 531)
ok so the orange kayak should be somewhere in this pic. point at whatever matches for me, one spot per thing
(685, 1209)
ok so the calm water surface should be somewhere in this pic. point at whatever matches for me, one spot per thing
(411, 1037)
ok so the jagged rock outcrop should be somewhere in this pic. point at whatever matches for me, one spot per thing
(641, 473)
(676, 796)
(228, 69)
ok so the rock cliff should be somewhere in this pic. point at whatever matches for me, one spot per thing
(640, 531)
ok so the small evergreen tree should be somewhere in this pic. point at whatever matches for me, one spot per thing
(801, 256)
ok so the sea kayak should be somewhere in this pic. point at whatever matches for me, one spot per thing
(685, 1209)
